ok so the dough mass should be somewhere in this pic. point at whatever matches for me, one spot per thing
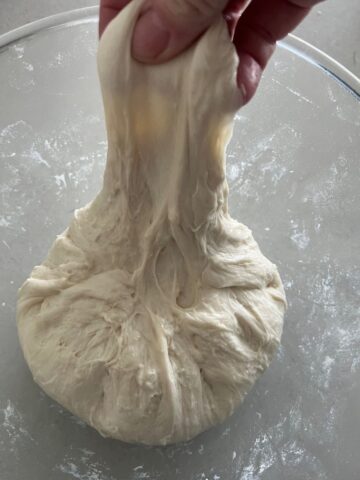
(155, 312)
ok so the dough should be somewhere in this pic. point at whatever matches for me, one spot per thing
(155, 312)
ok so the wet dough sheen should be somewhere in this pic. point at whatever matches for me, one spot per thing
(155, 311)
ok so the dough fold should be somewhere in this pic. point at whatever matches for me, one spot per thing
(155, 311)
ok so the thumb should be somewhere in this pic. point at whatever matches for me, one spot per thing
(167, 27)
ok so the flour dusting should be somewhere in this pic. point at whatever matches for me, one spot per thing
(14, 427)
(80, 464)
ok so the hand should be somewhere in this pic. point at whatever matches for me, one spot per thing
(167, 27)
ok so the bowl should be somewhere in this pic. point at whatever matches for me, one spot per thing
(293, 172)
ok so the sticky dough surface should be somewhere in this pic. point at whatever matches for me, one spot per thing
(155, 311)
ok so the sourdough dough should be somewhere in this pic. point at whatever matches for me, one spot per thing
(155, 311)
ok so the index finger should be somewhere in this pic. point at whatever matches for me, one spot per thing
(108, 10)
(263, 23)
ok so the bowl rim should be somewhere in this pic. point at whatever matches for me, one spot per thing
(292, 43)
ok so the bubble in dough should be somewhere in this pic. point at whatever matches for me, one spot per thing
(155, 311)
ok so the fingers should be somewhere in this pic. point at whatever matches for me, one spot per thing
(232, 12)
(167, 27)
(264, 23)
(108, 10)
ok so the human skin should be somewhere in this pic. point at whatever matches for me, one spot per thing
(167, 27)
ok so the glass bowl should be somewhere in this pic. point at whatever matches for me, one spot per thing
(293, 171)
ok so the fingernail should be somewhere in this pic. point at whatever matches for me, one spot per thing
(151, 37)
(243, 91)
(248, 75)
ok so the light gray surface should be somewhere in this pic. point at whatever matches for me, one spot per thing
(333, 26)
(294, 179)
